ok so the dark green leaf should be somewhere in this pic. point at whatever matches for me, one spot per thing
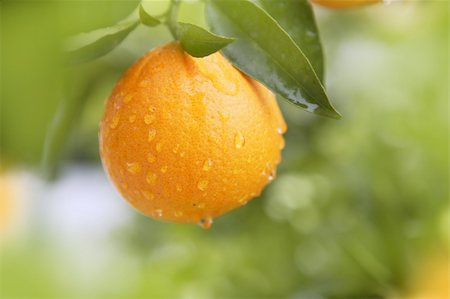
(296, 17)
(267, 53)
(146, 18)
(89, 46)
(199, 42)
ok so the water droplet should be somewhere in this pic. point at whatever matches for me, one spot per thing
(127, 98)
(201, 205)
(279, 130)
(158, 212)
(179, 188)
(151, 134)
(182, 154)
(178, 214)
(114, 121)
(159, 147)
(151, 177)
(239, 140)
(132, 118)
(151, 109)
(148, 195)
(151, 158)
(271, 177)
(208, 164)
(224, 116)
(133, 167)
(202, 184)
(176, 148)
(164, 169)
(205, 223)
(243, 200)
(149, 118)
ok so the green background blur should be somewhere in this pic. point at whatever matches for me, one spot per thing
(359, 206)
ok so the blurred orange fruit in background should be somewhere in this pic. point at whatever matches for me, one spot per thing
(187, 139)
(344, 3)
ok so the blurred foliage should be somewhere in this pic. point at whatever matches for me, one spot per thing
(358, 206)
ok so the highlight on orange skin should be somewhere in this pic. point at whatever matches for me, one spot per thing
(188, 139)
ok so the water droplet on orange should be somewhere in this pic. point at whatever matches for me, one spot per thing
(239, 140)
(148, 195)
(127, 98)
(133, 167)
(202, 184)
(151, 134)
(207, 165)
(151, 158)
(132, 118)
(115, 121)
(149, 118)
(164, 169)
(205, 223)
(151, 177)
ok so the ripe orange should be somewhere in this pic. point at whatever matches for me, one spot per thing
(344, 3)
(187, 139)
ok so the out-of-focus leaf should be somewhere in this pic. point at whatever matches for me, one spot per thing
(89, 46)
(199, 42)
(296, 17)
(146, 18)
(267, 53)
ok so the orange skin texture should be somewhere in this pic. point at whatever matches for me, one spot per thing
(187, 139)
(344, 3)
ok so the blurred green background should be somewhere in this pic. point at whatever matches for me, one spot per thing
(359, 209)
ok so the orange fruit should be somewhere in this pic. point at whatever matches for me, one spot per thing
(344, 3)
(187, 139)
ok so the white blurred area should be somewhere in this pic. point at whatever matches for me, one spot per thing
(80, 205)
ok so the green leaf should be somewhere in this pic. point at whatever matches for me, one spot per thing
(267, 53)
(199, 42)
(85, 47)
(296, 17)
(146, 18)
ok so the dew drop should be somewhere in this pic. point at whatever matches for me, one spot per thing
(127, 98)
(205, 223)
(243, 200)
(201, 205)
(176, 148)
(151, 177)
(133, 167)
(151, 109)
(178, 214)
(149, 118)
(239, 140)
(164, 169)
(208, 164)
(114, 121)
(151, 134)
(279, 130)
(202, 184)
(132, 118)
(158, 212)
(148, 195)
(224, 116)
(159, 147)
(151, 158)
(182, 154)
